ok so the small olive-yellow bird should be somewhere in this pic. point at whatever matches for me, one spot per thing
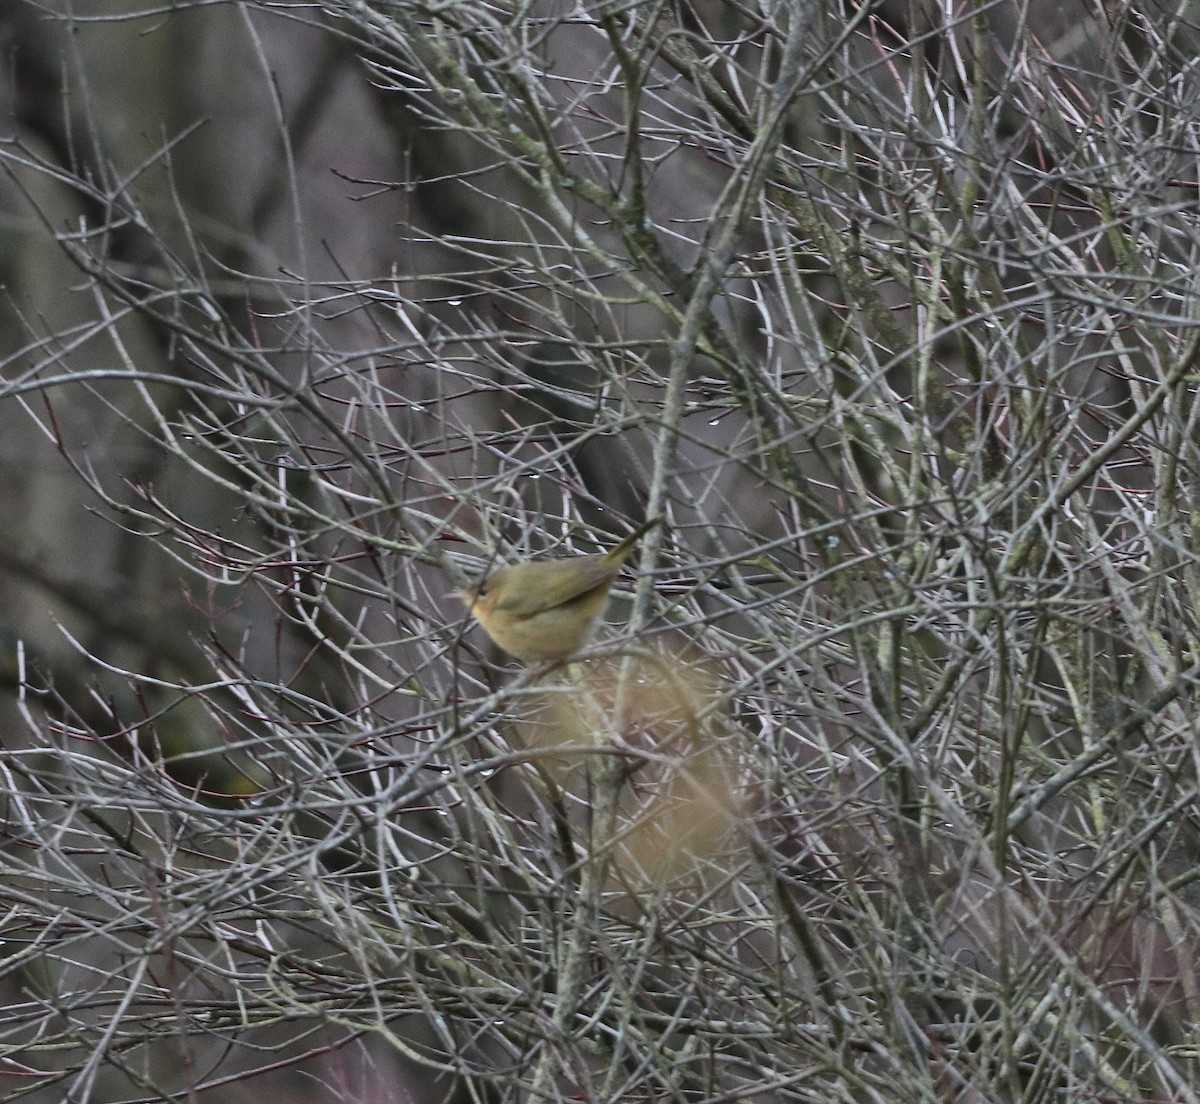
(544, 610)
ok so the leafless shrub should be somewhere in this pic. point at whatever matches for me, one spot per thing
(882, 784)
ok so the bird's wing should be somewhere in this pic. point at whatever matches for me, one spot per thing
(556, 582)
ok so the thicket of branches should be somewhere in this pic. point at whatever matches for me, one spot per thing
(882, 782)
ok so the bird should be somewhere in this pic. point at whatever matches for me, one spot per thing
(543, 611)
